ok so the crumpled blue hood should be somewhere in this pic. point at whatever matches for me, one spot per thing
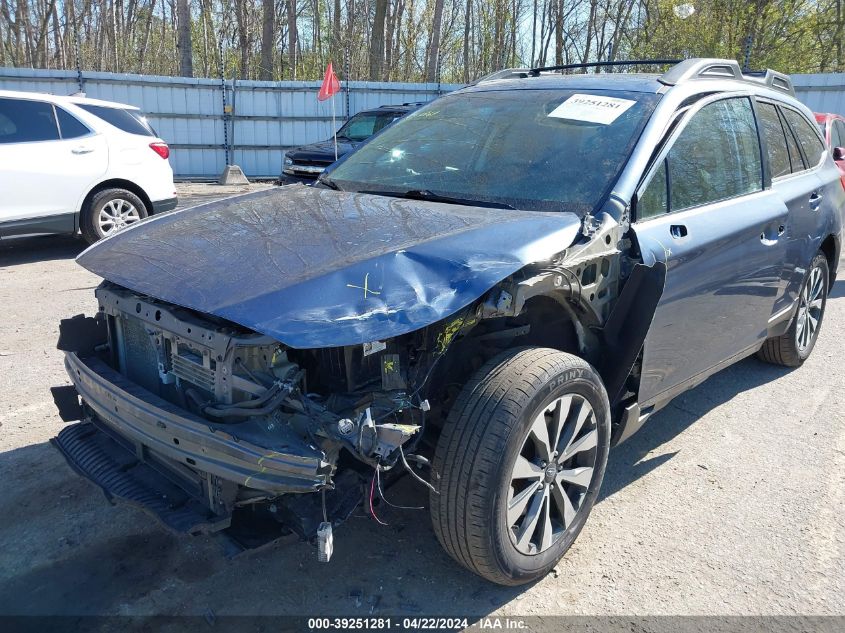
(321, 268)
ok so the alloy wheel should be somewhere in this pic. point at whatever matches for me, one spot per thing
(810, 309)
(552, 473)
(117, 214)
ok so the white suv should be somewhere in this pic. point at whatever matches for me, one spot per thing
(70, 164)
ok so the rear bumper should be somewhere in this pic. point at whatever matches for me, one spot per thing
(188, 445)
(162, 206)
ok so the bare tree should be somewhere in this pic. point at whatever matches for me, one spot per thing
(268, 39)
(292, 37)
(183, 44)
(409, 40)
(377, 41)
(337, 37)
(434, 49)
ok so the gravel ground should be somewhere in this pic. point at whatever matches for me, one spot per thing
(728, 502)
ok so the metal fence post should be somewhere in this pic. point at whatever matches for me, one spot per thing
(439, 60)
(746, 63)
(232, 116)
(346, 82)
(225, 107)
(79, 78)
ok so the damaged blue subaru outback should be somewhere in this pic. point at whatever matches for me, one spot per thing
(488, 295)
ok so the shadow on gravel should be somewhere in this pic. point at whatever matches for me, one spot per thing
(627, 461)
(91, 558)
(26, 250)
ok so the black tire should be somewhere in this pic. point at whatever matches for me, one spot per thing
(486, 431)
(785, 349)
(92, 230)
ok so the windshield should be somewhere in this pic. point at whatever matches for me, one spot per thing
(363, 126)
(551, 150)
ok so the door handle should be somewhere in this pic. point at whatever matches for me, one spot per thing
(816, 200)
(82, 150)
(678, 231)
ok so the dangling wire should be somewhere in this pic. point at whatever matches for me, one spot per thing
(415, 475)
(372, 493)
(383, 498)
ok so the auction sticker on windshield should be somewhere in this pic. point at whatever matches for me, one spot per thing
(591, 108)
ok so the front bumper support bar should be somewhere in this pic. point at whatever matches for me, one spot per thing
(156, 426)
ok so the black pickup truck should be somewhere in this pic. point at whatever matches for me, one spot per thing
(304, 164)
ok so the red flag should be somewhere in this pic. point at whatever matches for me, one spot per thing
(330, 87)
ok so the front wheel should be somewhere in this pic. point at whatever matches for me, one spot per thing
(794, 347)
(521, 460)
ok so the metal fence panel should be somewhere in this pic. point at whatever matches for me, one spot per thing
(267, 117)
(821, 92)
(270, 117)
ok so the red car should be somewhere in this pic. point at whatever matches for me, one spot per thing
(833, 130)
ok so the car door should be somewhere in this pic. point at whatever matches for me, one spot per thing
(44, 173)
(705, 210)
(800, 189)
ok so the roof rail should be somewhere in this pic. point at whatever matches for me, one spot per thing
(390, 106)
(777, 81)
(681, 71)
(507, 73)
(700, 68)
(621, 62)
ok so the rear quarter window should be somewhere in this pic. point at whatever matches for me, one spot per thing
(837, 134)
(127, 120)
(806, 135)
(69, 125)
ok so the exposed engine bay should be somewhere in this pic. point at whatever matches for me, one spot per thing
(352, 397)
(305, 405)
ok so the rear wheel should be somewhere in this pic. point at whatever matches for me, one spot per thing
(521, 460)
(110, 211)
(794, 347)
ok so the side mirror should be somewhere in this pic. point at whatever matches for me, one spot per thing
(839, 153)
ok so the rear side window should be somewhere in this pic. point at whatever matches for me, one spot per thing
(69, 125)
(716, 157)
(126, 120)
(837, 134)
(775, 139)
(25, 121)
(363, 126)
(806, 135)
(795, 158)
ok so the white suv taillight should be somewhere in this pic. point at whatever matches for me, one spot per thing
(161, 149)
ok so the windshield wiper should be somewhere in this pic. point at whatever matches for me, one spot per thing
(427, 194)
(328, 182)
